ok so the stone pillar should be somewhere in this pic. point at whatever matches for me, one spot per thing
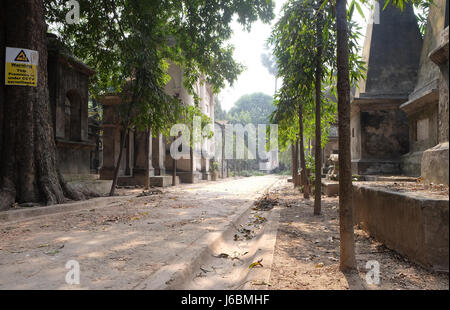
(107, 169)
(379, 128)
(158, 155)
(143, 151)
(110, 137)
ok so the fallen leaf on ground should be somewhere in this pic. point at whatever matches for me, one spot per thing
(222, 255)
(258, 263)
(257, 282)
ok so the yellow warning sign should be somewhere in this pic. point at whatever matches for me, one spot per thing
(21, 67)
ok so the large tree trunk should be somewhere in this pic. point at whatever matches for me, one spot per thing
(347, 245)
(303, 173)
(318, 144)
(28, 165)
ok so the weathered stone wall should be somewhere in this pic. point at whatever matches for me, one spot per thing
(379, 138)
(68, 83)
(428, 71)
(424, 128)
(443, 100)
(355, 125)
(74, 158)
(413, 226)
(435, 161)
(423, 104)
(384, 134)
(379, 129)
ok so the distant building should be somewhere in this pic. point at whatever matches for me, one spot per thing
(142, 149)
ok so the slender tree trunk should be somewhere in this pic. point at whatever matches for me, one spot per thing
(174, 172)
(223, 153)
(303, 174)
(123, 135)
(294, 163)
(28, 160)
(148, 141)
(297, 182)
(191, 160)
(318, 144)
(174, 169)
(347, 242)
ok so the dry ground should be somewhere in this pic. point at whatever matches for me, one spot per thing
(121, 246)
(307, 252)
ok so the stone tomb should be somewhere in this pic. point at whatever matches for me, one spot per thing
(137, 152)
(379, 129)
(434, 165)
(68, 83)
(423, 104)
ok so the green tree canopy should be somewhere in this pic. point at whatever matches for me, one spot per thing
(257, 106)
(130, 42)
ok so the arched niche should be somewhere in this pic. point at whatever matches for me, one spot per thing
(72, 113)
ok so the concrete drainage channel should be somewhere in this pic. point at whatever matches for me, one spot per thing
(38, 212)
(240, 257)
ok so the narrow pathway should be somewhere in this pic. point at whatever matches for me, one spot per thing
(122, 246)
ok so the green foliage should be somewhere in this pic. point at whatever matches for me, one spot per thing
(253, 108)
(130, 43)
(214, 167)
(311, 163)
(295, 42)
(191, 112)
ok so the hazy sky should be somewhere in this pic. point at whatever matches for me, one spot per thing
(249, 47)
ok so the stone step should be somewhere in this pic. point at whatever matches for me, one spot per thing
(163, 181)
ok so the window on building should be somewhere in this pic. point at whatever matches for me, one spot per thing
(422, 129)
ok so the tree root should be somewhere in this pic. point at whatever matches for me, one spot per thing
(7, 199)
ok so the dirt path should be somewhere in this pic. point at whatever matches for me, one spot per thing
(242, 257)
(122, 246)
(307, 252)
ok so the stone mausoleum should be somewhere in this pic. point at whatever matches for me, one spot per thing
(427, 107)
(400, 128)
(143, 148)
(68, 83)
(379, 128)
